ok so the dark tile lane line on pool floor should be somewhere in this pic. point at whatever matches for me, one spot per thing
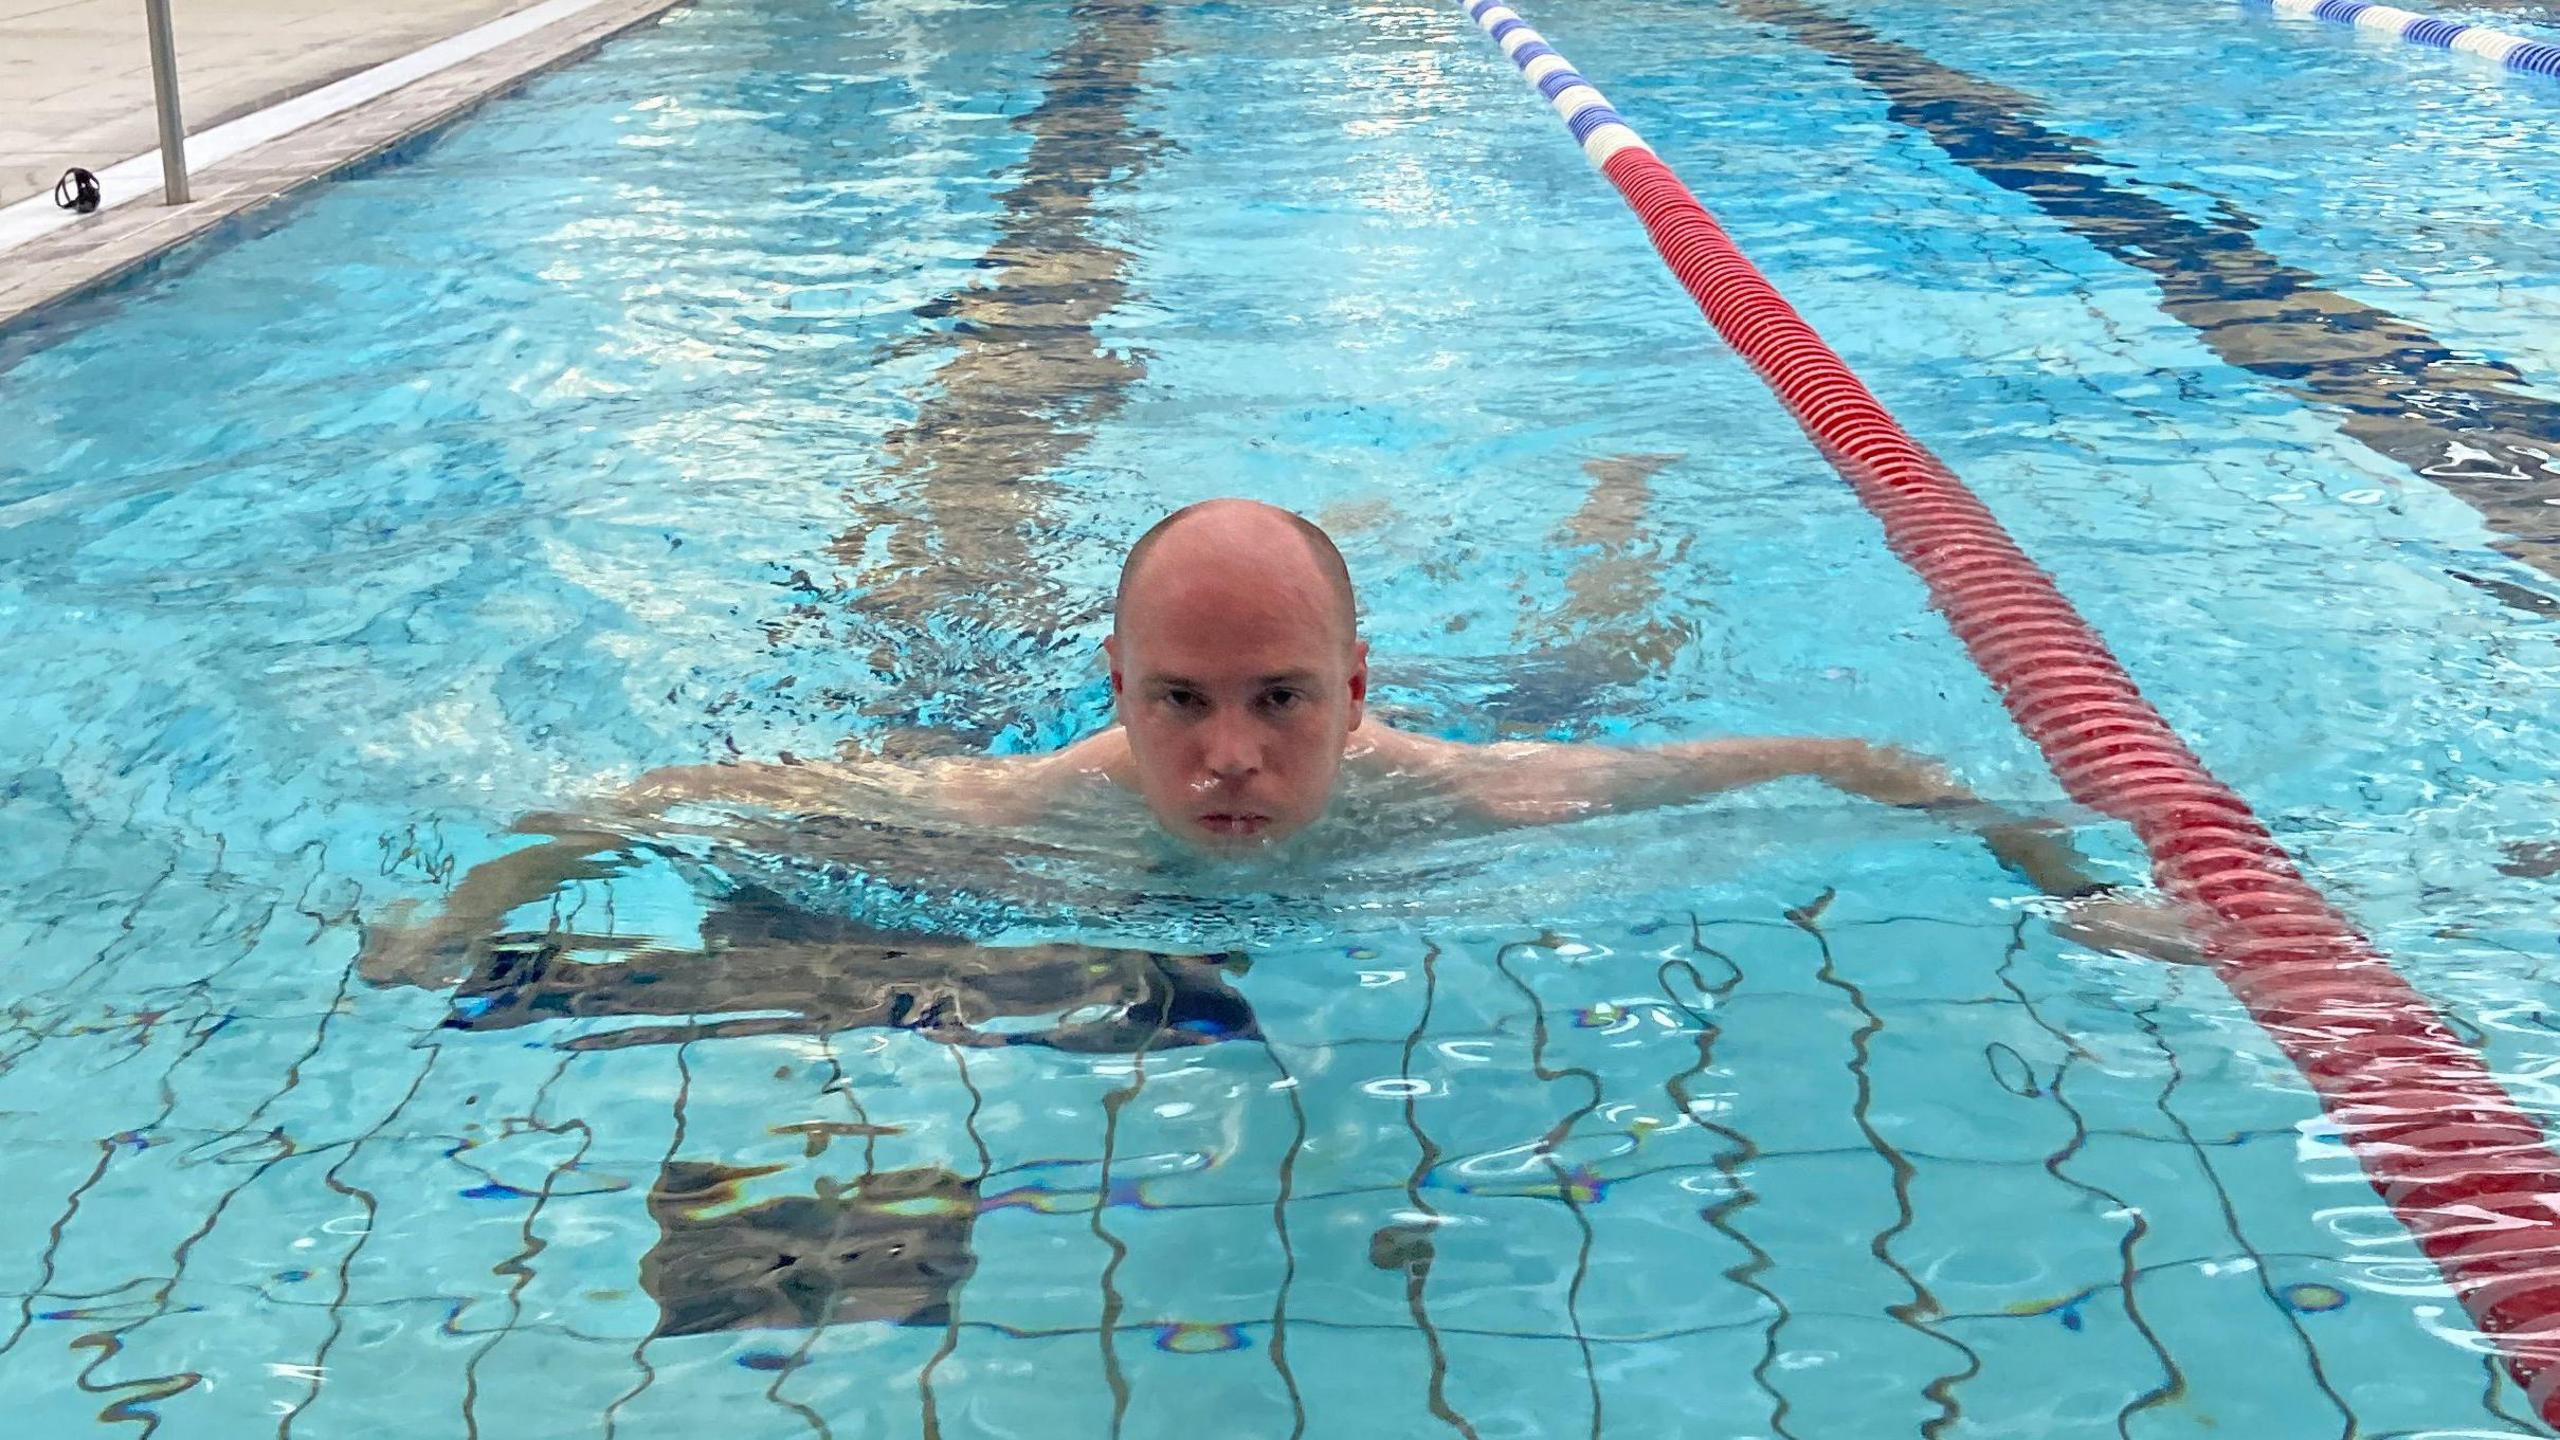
(1916, 1312)
(2470, 426)
(1027, 380)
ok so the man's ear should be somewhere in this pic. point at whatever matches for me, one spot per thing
(1359, 682)
(1111, 662)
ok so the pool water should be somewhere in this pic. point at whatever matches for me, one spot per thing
(789, 374)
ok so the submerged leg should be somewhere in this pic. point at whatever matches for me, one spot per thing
(1611, 629)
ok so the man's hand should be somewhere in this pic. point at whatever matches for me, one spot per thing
(2135, 923)
(401, 949)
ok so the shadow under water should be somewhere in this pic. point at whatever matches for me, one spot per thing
(770, 968)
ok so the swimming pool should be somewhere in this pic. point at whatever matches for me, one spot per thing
(790, 371)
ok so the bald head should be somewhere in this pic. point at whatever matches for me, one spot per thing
(1238, 541)
(1237, 672)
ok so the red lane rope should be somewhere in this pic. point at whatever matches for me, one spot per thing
(2467, 1171)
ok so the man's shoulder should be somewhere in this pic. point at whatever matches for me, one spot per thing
(1018, 789)
(1104, 754)
(1377, 745)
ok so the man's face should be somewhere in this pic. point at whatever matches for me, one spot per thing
(1237, 698)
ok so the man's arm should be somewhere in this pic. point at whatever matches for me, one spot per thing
(981, 789)
(1538, 783)
(985, 790)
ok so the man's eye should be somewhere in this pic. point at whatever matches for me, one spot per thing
(1282, 699)
(1182, 699)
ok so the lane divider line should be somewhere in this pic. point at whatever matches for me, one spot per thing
(2470, 1174)
(2534, 57)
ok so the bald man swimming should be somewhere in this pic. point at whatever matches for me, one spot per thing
(1241, 685)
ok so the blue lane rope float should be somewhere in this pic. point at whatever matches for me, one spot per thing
(2534, 57)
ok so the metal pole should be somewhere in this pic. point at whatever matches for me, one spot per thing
(164, 84)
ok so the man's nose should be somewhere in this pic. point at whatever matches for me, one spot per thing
(1234, 751)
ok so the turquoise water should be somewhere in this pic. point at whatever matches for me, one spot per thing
(789, 373)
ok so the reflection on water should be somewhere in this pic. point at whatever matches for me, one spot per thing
(767, 968)
(891, 1247)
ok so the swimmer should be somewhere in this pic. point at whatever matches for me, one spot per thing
(1241, 686)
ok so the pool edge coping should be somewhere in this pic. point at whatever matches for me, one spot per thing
(90, 256)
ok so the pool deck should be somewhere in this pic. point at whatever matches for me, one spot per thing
(75, 75)
(75, 89)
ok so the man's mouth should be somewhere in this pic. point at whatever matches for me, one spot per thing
(1233, 823)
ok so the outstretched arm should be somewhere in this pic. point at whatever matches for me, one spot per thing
(1538, 783)
(578, 846)
(582, 846)
(980, 789)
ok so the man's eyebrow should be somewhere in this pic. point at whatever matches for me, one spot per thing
(1185, 682)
